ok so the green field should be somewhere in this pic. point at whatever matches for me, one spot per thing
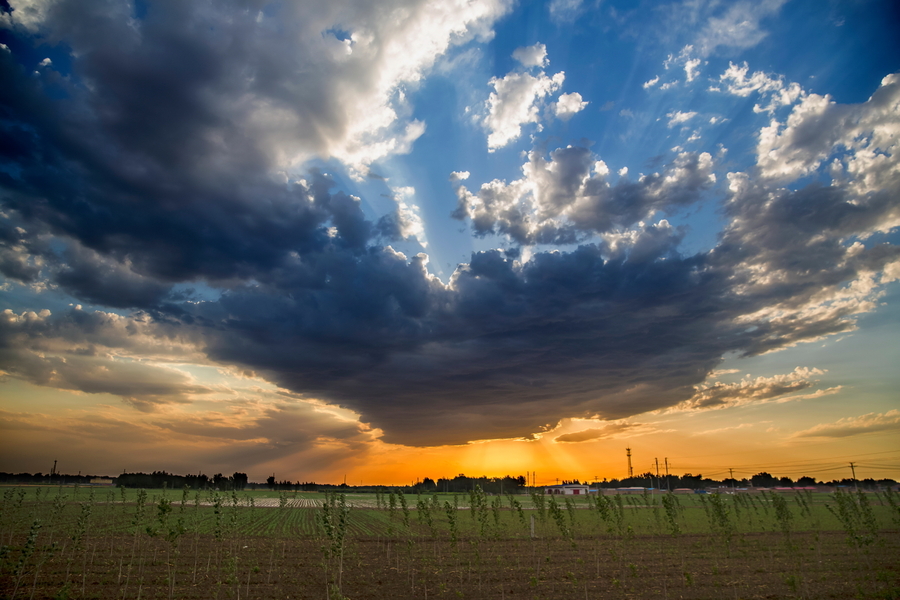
(106, 543)
(263, 512)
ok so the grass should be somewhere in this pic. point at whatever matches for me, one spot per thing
(644, 514)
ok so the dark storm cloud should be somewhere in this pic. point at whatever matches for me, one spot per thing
(91, 277)
(147, 166)
(17, 259)
(427, 362)
(152, 151)
(595, 331)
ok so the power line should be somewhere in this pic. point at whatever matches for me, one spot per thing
(789, 470)
(820, 458)
(795, 465)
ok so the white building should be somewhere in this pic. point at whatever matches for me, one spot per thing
(567, 490)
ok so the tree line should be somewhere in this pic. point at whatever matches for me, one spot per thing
(459, 484)
(760, 480)
(161, 479)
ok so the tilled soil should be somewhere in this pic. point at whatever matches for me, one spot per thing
(767, 565)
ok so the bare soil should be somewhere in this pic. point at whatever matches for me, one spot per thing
(763, 565)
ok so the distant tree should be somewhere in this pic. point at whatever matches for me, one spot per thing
(510, 485)
(763, 480)
(806, 481)
(426, 485)
(270, 481)
(786, 481)
(846, 482)
(643, 480)
(691, 481)
(239, 481)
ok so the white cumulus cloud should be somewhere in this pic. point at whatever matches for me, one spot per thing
(514, 102)
(410, 219)
(678, 117)
(532, 56)
(739, 82)
(850, 426)
(759, 390)
(568, 105)
(690, 68)
(866, 138)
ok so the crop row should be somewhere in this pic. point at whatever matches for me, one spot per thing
(192, 544)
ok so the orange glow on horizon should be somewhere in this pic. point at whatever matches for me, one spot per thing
(106, 438)
(387, 464)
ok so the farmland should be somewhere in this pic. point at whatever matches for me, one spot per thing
(116, 543)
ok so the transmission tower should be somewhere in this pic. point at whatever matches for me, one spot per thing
(628, 454)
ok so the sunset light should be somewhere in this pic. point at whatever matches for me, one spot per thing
(374, 242)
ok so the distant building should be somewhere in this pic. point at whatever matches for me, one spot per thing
(567, 490)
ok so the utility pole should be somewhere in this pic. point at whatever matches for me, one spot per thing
(657, 471)
(731, 474)
(630, 470)
(668, 484)
(853, 470)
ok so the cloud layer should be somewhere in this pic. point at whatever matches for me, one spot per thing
(174, 154)
(850, 426)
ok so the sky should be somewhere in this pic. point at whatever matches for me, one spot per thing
(391, 240)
